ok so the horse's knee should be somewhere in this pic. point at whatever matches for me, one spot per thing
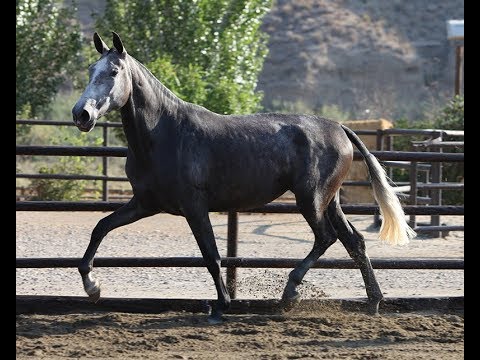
(99, 231)
(359, 245)
(356, 250)
(352, 239)
(355, 246)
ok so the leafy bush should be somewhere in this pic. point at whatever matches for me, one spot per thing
(453, 115)
(450, 118)
(52, 189)
(69, 190)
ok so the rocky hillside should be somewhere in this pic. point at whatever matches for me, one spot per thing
(390, 57)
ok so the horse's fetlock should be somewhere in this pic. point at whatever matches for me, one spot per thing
(295, 278)
(84, 270)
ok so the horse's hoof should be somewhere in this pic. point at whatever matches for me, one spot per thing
(91, 287)
(287, 304)
(373, 308)
(95, 296)
(215, 320)
(216, 315)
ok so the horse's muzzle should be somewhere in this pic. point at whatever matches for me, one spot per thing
(83, 120)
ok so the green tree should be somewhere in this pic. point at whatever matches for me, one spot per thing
(47, 49)
(452, 117)
(209, 52)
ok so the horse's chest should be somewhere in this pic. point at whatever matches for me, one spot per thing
(153, 183)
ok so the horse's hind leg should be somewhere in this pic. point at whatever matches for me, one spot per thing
(128, 213)
(313, 211)
(355, 245)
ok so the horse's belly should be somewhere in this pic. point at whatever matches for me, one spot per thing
(238, 196)
(247, 182)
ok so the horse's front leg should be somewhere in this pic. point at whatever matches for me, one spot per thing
(199, 221)
(128, 213)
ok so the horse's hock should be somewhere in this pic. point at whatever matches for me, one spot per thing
(358, 171)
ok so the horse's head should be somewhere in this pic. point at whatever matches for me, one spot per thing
(109, 86)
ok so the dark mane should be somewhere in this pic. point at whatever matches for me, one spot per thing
(163, 91)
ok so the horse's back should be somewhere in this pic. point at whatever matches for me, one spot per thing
(282, 138)
(259, 128)
(245, 161)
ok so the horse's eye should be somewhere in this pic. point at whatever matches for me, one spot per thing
(114, 72)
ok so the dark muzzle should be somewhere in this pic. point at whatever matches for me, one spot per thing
(82, 119)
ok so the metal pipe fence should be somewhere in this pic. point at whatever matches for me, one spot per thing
(412, 160)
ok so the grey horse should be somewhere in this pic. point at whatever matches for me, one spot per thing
(186, 160)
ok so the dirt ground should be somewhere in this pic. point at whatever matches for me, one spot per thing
(331, 333)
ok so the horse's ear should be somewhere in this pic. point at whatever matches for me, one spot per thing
(117, 42)
(99, 44)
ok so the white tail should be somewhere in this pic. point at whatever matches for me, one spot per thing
(394, 229)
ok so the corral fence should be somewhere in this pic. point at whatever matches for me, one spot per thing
(414, 160)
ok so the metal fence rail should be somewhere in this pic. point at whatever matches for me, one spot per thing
(277, 208)
(236, 262)
(232, 261)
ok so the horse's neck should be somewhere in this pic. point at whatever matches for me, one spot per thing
(150, 110)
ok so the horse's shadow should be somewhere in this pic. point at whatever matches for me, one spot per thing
(264, 228)
(263, 231)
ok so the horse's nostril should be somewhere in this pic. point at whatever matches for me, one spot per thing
(84, 117)
(81, 118)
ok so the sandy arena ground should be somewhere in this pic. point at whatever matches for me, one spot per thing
(329, 334)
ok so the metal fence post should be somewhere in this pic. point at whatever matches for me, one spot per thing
(232, 245)
(436, 194)
(379, 144)
(390, 148)
(105, 164)
(413, 190)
